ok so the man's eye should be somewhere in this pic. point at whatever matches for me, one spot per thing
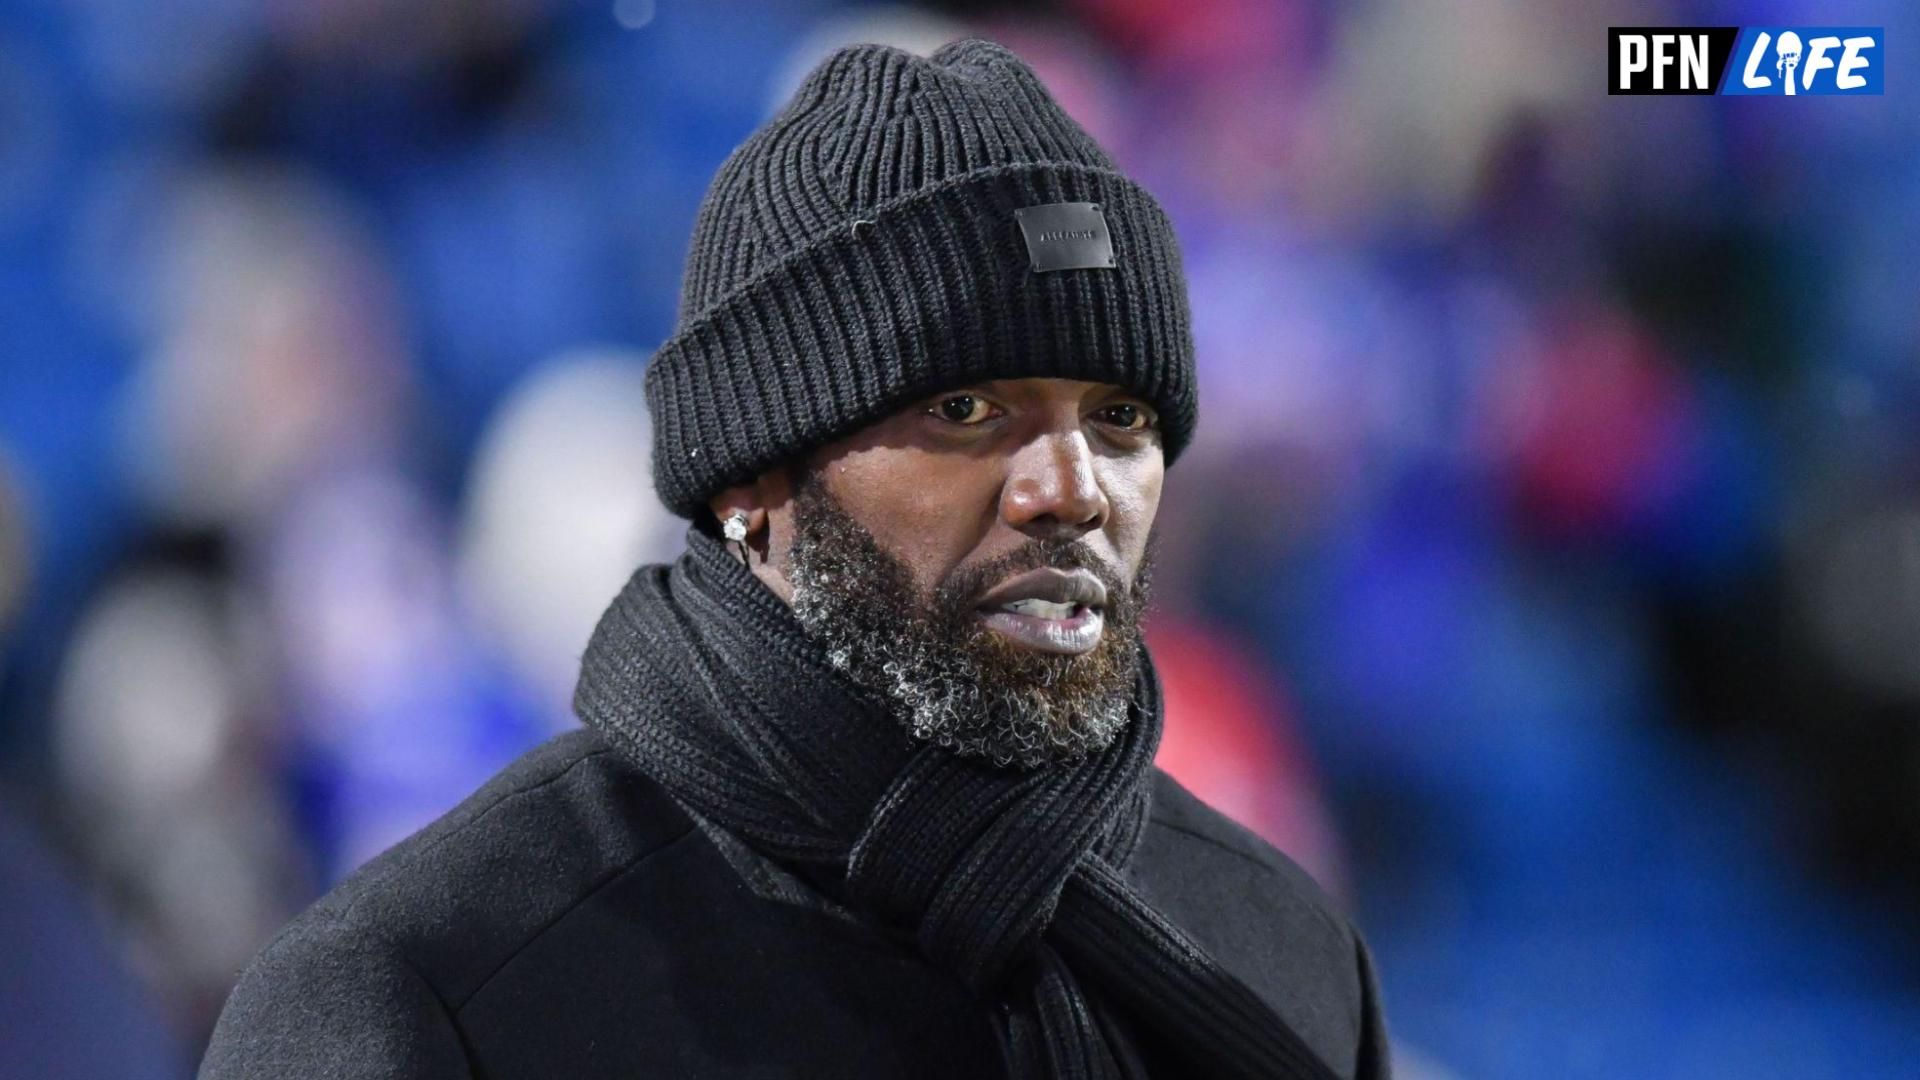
(964, 409)
(1128, 415)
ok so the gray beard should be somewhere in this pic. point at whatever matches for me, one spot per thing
(941, 672)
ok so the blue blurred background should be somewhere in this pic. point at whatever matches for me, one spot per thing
(1545, 576)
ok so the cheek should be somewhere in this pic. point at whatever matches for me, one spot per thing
(928, 510)
(1133, 493)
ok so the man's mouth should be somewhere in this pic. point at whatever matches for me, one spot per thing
(1058, 611)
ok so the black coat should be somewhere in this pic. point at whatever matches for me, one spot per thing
(570, 920)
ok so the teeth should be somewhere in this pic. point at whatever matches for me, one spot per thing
(1045, 609)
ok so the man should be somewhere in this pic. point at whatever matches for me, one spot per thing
(865, 787)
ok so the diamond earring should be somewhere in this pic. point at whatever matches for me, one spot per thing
(734, 528)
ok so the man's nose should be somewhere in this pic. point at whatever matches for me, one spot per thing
(1051, 491)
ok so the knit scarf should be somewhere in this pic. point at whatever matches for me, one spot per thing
(1012, 880)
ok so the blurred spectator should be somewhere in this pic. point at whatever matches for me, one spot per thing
(570, 446)
(68, 1004)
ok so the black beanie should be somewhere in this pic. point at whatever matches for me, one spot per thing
(904, 226)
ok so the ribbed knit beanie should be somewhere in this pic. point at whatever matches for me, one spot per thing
(907, 225)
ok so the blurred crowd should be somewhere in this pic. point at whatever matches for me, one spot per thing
(1545, 575)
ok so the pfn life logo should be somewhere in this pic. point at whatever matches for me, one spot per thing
(1784, 60)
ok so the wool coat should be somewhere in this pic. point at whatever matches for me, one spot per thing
(569, 919)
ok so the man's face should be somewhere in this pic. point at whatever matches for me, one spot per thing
(982, 558)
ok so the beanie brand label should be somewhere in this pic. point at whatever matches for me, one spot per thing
(1066, 236)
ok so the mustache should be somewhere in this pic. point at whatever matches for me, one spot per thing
(963, 588)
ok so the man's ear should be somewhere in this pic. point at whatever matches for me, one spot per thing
(741, 499)
(764, 503)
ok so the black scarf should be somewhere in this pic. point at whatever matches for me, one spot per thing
(1012, 880)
